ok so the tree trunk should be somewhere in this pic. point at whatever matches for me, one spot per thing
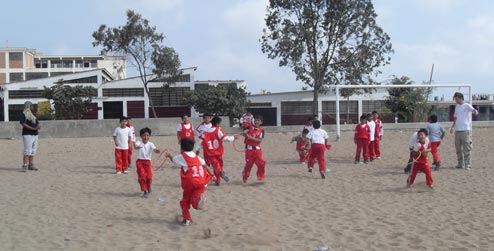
(150, 100)
(315, 104)
(348, 110)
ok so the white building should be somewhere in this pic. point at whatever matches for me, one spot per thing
(23, 64)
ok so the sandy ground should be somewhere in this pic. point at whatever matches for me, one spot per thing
(77, 202)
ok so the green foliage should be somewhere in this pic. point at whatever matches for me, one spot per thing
(143, 47)
(227, 100)
(409, 104)
(326, 42)
(71, 102)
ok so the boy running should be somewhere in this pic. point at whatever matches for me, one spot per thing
(253, 152)
(143, 164)
(121, 138)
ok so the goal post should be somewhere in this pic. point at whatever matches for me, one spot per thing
(338, 87)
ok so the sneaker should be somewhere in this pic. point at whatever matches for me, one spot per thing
(32, 167)
(24, 168)
(244, 180)
(186, 222)
(202, 201)
(469, 168)
(356, 162)
(360, 162)
(378, 158)
(224, 177)
(322, 175)
(459, 167)
(431, 187)
(119, 172)
(145, 194)
(409, 186)
(366, 162)
(149, 190)
(125, 172)
(310, 170)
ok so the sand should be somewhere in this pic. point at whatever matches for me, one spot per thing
(76, 201)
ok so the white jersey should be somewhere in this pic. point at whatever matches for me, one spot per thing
(145, 151)
(463, 115)
(122, 135)
(318, 136)
(133, 134)
(187, 126)
(372, 126)
(202, 128)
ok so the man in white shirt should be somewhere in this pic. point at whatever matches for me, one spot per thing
(462, 128)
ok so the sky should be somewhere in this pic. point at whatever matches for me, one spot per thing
(221, 37)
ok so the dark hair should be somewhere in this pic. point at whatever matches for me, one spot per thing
(310, 119)
(258, 117)
(433, 118)
(129, 118)
(363, 117)
(206, 115)
(183, 115)
(316, 124)
(215, 121)
(123, 118)
(144, 130)
(423, 130)
(186, 144)
(459, 95)
(375, 112)
(305, 131)
(368, 115)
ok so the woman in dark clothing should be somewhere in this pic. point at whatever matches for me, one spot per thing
(30, 127)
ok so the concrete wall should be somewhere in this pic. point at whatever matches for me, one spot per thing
(168, 126)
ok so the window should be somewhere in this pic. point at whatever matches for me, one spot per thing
(227, 84)
(369, 106)
(168, 96)
(56, 64)
(36, 75)
(25, 94)
(67, 63)
(123, 92)
(16, 77)
(88, 80)
(296, 108)
(41, 64)
(201, 87)
(16, 60)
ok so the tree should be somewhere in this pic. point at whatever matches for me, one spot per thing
(227, 100)
(71, 102)
(408, 104)
(143, 46)
(326, 42)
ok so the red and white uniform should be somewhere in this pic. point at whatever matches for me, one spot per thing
(253, 154)
(144, 168)
(361, 138)
(122, 136)
(309, 126)
(186, 131)
(202, 127)
(247, 120)
(302, 147)
(421, 164)
(212, 143)
(372, 126)
(377, 137)
(193, 178)
(318, 148)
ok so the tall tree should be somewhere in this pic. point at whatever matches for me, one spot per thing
(326, 42)
(71, 102)
(228, 100)
(143, 47)
(408, 104)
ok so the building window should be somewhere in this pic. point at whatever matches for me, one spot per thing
(369, 106)
(88, 80)
(123, 92)
(179, 79)
(16, 77)
(67, 63)
(168, 96)
(16, 59)
(201, 87)
(296, 107)
(36, 75)
(41, 64)
(227, 84)
(25, 94)
(56, 64)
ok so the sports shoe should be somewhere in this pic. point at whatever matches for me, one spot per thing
(431, 187)
(149, 189)
(125, 172)
(119, 172)
(202, 201)
(24, 168)
(409, 186)
(360, 162)
(469, 168)
(310, 170)
(224, 177)
(186, 222)
(145, 194)
(357, 162)
(378, 158)
(366, 162)
(32, 167)
(459, 167)
(322, 175)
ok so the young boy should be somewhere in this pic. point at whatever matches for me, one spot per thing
(212, 143)
(253, 152)
(303, 145)
(378, 134)
(308, 124)
(121, 138)
(436, 134)
(247, 120)
(420, 151)
(411, 143)
(194, 177)
(319, 144)
(361, 139)
(132, 139)
(185, 129)
(372, 137)
(205, 124)
(143, 164)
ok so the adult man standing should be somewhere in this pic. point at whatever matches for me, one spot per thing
(462, 128)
